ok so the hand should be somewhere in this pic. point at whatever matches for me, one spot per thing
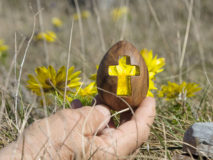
(83, 133)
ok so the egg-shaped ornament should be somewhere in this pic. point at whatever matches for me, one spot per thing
(122, 77)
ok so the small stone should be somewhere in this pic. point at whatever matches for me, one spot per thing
(182, 157)
(200, 136)
(76, 103)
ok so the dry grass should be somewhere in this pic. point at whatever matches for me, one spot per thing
(180, 31)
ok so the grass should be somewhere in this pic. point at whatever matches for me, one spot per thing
(179, 31)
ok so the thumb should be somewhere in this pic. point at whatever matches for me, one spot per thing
(93, 119)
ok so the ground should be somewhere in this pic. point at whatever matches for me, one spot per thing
(179, 31)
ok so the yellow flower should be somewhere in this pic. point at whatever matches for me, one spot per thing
(89, 90)
(83, 15)
(118, 13)
(182, 91)
(56, 22)
(94, 76)
(3, 47)
(48, 80)
(151, 84)
(154, 65)
(49, 36)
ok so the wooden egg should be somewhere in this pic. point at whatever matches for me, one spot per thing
(122, 77)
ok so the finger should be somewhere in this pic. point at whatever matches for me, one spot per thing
(111, 126)
(107, 131)
(133, 133)
(93, 119)
(78, 124)
(75, 123)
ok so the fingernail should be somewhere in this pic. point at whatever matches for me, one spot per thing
(104, 110)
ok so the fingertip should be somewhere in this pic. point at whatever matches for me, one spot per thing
(146, 108)
(97, 103)
(94, 118)
(103, 109)
(148, 102)
(107, 131)
(104, 115)
(152, 104)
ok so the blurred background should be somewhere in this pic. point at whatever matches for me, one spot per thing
(157, 25)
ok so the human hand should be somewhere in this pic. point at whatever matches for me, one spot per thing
(83, 133)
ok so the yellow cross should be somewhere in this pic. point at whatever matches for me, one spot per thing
(123, 71)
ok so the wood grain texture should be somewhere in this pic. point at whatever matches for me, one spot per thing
(139, 84)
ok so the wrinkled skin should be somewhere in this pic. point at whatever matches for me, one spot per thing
(83, 133)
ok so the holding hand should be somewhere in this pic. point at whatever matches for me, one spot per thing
(83, 133)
